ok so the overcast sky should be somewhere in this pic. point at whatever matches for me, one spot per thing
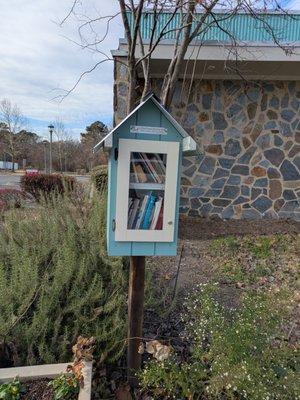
(37, 60)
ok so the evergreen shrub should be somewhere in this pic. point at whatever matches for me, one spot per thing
(40, 185)
(56, 283)
(100, 178)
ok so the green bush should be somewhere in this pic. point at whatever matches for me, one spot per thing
(66, 387)
(11, 390)
(44, 184)
(99, 178)
(234, 355)
(56, 283)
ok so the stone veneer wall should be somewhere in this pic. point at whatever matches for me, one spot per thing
(249, 134)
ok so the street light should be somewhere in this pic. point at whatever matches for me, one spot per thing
(51, 128)
(45, 142)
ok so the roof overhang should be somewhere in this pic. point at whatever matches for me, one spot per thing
(189, 145)
(217, 60)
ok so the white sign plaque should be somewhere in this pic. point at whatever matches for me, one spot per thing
(151, 130)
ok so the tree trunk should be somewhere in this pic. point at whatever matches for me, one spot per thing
(13, 162)
(175, 65)
(131, 100)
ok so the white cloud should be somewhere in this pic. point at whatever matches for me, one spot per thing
(294, 5)
(36, 58)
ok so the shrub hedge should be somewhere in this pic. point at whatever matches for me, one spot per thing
(100, 178)
(57, 283)
(45, 184)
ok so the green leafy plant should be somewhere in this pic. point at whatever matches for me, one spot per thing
(65, 386)
(237, 354)
(11, 390)
(57, 282)
(261, 247)
(229, 244)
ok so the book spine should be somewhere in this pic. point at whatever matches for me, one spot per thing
(141, 212)
(147, 167)
(159, 167)
(133, 215)
(159, 224)
(156, 213)
(148, 212)
(135, 172)
(155, 176)
(142, 176)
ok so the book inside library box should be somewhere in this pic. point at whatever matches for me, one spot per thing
(146, 191)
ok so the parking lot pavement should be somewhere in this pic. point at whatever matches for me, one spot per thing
(10, 180)
(13, 180)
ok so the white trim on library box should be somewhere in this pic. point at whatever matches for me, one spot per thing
(189, 146)
(50, 371)
(126, 147)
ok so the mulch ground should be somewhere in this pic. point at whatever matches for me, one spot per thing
(37, 390)
(207, 228)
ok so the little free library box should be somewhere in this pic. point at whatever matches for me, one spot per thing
(145, 153)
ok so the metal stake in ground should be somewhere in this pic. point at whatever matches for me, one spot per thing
(135, 316)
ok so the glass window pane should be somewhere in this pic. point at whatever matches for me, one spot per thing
(146, 191)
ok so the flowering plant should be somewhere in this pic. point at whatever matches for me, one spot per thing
(235, 354)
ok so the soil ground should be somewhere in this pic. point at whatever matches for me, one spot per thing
(204, 228)
(37, 390)
(194, 262)
(239, 255)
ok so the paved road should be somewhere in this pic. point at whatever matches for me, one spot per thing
(9, 180)
(13, 180)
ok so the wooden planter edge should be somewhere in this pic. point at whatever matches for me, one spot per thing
(48, 371)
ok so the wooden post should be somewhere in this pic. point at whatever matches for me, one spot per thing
(135, 316)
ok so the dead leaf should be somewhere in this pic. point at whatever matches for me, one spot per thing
(168, 276)
(76, 368)
(83, 349)
(123, 393)
(160, 351)
(141, 349)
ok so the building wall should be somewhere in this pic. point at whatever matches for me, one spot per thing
(249, 134)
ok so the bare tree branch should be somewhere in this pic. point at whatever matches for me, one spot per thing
(69, 13)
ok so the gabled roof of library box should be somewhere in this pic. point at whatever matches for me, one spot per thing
(189, 145)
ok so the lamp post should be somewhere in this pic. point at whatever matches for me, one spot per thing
(45, 142)
(51, 128)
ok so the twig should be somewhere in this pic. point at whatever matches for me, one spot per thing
(291, 330)
(70, 12)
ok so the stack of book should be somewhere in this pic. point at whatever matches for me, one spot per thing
(147, 167)
(145, 212)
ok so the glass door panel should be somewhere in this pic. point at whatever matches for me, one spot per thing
(146, 191)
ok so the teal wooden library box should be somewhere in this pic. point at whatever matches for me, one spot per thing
(145, 152)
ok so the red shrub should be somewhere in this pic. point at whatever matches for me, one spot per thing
(44, 184)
